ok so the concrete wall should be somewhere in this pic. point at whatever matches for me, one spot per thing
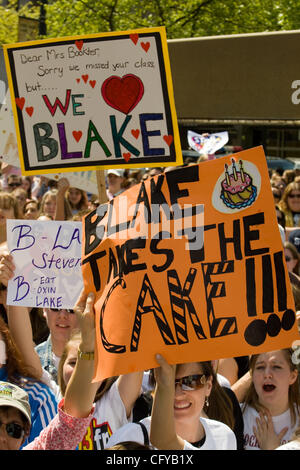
(236, 77)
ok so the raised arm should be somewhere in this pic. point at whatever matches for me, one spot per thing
(62, 187)
(19, 321)
(80, 392)
(241, 387)
(130, 386)
(162, 432)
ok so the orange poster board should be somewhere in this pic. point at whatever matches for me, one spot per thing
(189, 264)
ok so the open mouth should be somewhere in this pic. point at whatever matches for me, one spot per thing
(268, 387)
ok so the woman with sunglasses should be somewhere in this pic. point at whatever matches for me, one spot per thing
(292, 257)
(290, 206)
(182, 397)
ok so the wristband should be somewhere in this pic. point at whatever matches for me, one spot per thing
(86, 356)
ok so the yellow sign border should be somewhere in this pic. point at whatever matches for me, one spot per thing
(165, 53)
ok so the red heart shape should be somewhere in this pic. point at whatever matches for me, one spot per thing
(134, 38)
(79, 44)
(77, 80)
(20, 102)
(29, 110)
(85, 78)
(92, 83)
(145, 46)
(126, 156)
(168, 139)
(123, 93)
(77, 135)
(135, 133)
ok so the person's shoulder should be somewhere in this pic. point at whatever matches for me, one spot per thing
(35, 388)
(128, 432)
(215, 426)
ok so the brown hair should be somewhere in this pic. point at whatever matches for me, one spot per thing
(8, 201)
(283, 204)
(295, 254)
(220, 406)
(83, 203)
(251, 398)
(105, 385)
(15, 365)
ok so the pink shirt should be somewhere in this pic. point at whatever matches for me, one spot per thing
(64, 432)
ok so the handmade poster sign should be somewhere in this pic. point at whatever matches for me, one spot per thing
(47, 256)
(96, 101)
(189, 264)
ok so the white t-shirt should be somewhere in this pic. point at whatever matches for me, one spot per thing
(279, 422)
(292, 445)
(218, 436)
(109, 415)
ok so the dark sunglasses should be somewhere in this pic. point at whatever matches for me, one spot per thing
(278, 196)
(287, 258)
(292, 196)
(69, 310)
(12, 185)
(191, 382)
(14, 430)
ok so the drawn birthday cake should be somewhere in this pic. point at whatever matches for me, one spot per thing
(238, 190)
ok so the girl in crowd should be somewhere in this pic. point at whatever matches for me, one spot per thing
(26, 185)
(14, 370)
(292, 257)
(78, 200)
(21, 196)
(48, 208)
(272, 403)
(31, 209)
(290, 205)
(179, 420)
(9, 209)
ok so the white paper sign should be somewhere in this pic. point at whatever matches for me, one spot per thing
(47, 255)
(207, 144)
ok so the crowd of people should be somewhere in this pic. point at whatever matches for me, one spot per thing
(48, 399)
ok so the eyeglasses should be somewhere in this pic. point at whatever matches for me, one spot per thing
(69, 310)
(14, 430)
(191, 382)
(292, 196)
(287, 258)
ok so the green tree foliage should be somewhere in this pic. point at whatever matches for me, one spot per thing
(182, 18)
(9, 19)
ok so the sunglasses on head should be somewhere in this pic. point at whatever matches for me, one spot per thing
(69, 310)
(191, 382)
(14, 430)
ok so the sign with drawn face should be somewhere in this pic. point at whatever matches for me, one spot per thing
(47, 256)
(190, 265)
(97, 101)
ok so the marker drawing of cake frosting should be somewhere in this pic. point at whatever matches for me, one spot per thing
(237, 188)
